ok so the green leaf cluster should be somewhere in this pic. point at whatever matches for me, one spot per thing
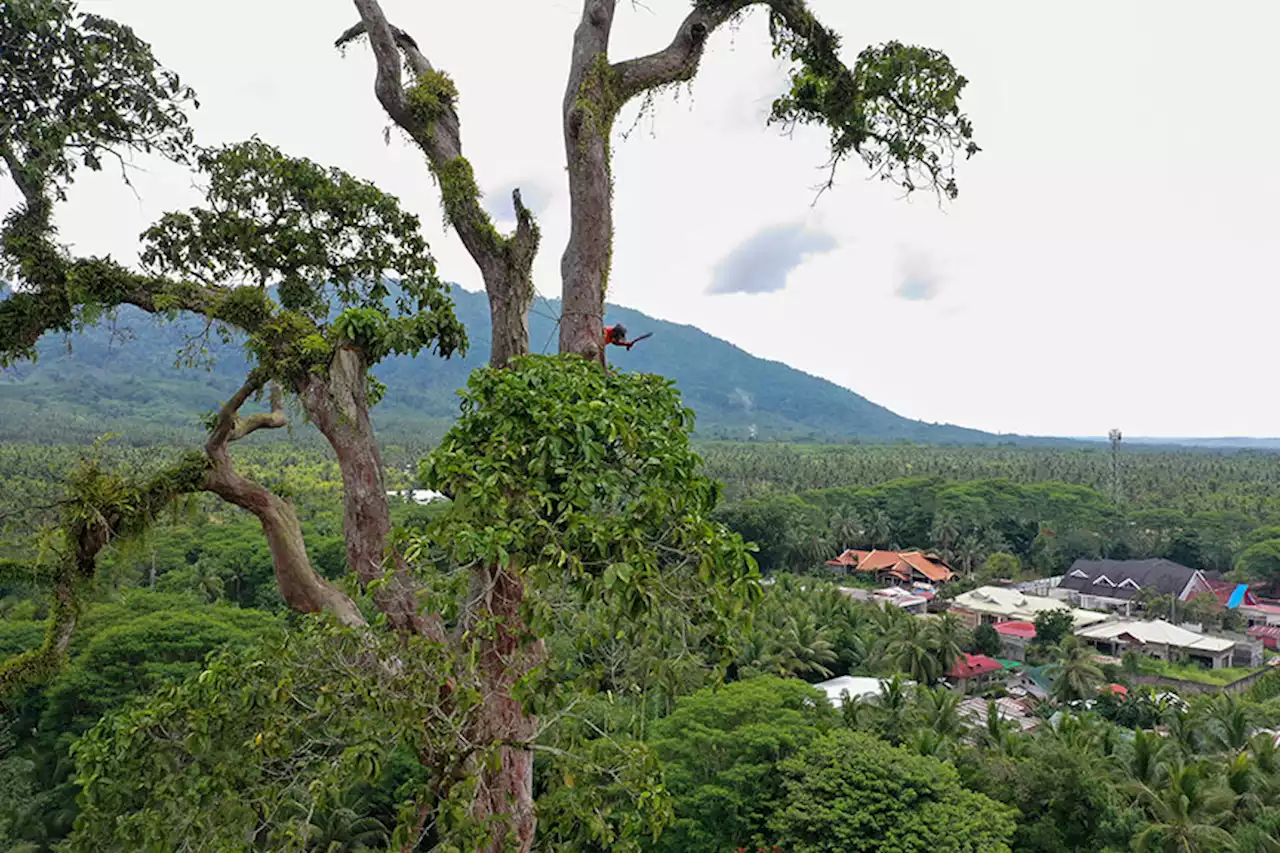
(587, 476)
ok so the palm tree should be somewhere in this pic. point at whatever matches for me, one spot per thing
(1185, 814)
(1075, 675)
(1185, 731)
(912, 651)
(879, 529)
(804, 649)
(1143, 764)
(847, 529)
(969, 551)
(895, 711)
(945, 530)
(1230, 723)
(941, 710)
(950, 637)
(1001, 734)
(208, 581)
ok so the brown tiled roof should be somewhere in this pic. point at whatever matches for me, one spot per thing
(874, 561)
(848, 558)
(901, 564)
(930, 567)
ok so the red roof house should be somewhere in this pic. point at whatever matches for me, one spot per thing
(972, 666)
(1268, 634)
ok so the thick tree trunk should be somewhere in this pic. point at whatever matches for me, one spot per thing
(505, 656)
(590, 105)
(339, 407)
(510, 293)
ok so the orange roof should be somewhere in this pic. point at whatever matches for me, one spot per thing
(901, 564)
(874, 561)
(931, 567)
(848, 558)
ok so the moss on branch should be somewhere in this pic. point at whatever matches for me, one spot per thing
(460, 197)
(431, 95)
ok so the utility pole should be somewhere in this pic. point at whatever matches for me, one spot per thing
(1115, 438)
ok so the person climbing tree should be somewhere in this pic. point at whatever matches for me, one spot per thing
(617, 335)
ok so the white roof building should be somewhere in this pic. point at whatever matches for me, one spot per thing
(858, 687)
(418, 496)
(1008, 604)
(1156, 633)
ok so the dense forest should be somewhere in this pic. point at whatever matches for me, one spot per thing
(201, 583)
(246, 637)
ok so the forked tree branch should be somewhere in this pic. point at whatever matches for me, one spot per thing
(274, 419)
(678, 61)
(438, 134)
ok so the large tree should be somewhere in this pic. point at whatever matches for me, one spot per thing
(611, 496)
(896, 107)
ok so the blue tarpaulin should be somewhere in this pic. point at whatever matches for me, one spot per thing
(1237, 596)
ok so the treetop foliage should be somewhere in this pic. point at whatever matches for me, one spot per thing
(897, 107)
(311, 231)
(77, 87)
(588, 476)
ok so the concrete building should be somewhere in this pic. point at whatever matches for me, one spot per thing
(1159, 639)
(995, 604)
(1015, 637)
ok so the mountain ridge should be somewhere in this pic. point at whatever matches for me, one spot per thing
(120, 377)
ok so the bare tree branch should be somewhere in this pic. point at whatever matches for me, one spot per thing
(388, 84)
(426, 111)
(679, 60)
(274, 419)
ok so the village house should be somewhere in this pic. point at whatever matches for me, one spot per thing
(1017, 711)
(914, 601)
(971, 673)
(895, 567)
(1015, 637)
(1159, 639)
(856, 687)
(1115, 584)
(993, 605)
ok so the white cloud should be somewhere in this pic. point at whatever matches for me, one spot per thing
(762, 262)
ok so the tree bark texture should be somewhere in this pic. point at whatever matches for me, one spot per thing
(506, 264)
(589, 110)
(300, 585)
(339, 407)
(597, 90)
(505, 656)
(505, 261)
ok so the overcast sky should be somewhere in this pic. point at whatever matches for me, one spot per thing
(1110, 262)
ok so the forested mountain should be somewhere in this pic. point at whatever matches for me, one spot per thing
(121, 376)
